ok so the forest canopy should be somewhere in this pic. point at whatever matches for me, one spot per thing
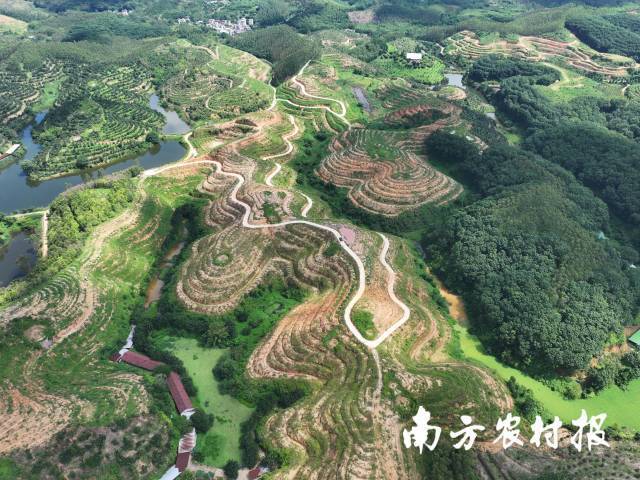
(281, 45)
(542, 289)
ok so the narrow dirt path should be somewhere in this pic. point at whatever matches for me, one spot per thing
(44, 245)
(187, 139)
(214, 55)
(303, 91)
(316, 107)
(268, 179)
(372, 344)
(28, 214)
(308, 206)
(287, 140)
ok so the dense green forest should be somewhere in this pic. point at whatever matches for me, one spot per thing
(544, 286)
(593, 138)
(607, 162)
(281, 45)
(615, 34)
(542, 289)
(88, 5)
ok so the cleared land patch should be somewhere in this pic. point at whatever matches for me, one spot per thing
(12, 24)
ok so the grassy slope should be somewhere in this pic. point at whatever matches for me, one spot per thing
(613, 401)
(229, 412)
(572, 85)
(49, 96)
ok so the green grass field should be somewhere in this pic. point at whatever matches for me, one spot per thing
(572, 86)
(49, 96)
(613, 401)
(223, 440)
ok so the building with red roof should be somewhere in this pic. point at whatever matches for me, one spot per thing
(257, 472)
(182, 461)
(179, 394)
(253, 474)
(181, 399)
(140, 360)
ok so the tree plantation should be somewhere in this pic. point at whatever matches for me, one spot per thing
(293, 239)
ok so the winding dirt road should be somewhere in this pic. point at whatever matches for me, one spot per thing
(187, 139)
(304, 92)
(372, 344)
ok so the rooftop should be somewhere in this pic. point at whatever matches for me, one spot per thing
(635, 338)
(140, 360)
(178, 393)
(182, 461)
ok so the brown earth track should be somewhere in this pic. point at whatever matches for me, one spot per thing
(48, 413)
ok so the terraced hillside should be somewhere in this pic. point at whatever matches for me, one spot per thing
(216, 83)
(370, 338)
(382, 178)
(105, 121)
(26, 87)
(101, 113)
(64, 379)
(573, 53)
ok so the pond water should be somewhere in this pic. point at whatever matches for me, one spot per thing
(17, 258)
(175, 125)
(27, 139)
(154, 290)
(17, 192)
(455, 80)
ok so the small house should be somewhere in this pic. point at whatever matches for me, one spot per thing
(179, 395)
(634, 339)
(414, 58)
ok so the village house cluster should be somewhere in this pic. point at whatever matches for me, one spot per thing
(223, 26)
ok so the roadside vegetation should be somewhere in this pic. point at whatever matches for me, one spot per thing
(530, 215)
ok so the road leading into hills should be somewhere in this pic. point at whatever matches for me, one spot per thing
(372, 344)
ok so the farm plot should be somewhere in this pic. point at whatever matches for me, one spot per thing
(573, 53)
(205, 85)
(332, 431)
(24, 88)
(52, 359)
(109, 120)
(381, 175)
(333, 77)
(375, 309)
(349, 425)
(336, 425)
(238, 259)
